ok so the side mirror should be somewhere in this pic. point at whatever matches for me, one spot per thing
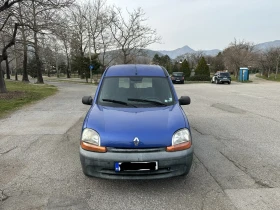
(87, 100)
(184, 100)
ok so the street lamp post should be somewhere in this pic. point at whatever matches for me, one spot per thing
(89, 50)
(89, 46)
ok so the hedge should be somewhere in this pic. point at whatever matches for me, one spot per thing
(198, 78)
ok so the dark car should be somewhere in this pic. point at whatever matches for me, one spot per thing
(135, 127)
(221, 77)
(178, 77)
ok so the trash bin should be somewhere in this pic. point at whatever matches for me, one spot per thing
(243, 74)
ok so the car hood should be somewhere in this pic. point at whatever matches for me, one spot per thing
(118, 127)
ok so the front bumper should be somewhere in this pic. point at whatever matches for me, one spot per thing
(178, 81)
(169, 163)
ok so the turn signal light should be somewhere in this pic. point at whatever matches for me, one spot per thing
(93, 148)
(179, 147)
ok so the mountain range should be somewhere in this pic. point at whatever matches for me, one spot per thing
(186, 49)
(267, 45)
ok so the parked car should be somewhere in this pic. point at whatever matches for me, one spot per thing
(135, 127)
(178, 77)
(221, 77)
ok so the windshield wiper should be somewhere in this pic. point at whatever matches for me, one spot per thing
(148, 101)
(118, 102)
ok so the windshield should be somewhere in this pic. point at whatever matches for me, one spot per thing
(177, 74)
(135, 91)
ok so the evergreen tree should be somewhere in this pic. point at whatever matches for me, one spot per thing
(164, 61)
(202, 68)
(175, 67)
(156, 59)
(32, 67)
(185, 68)
(81, 64)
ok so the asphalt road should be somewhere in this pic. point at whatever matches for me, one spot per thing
(235, 129)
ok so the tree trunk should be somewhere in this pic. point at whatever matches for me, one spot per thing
(56, 61)
(67, 67)
(56, 66)
(124, 58)
(3, 88)
(24, 71)
(48, 69)
(236, 74)
(70, 67)
(36, 48)
(81, 46)
(7, 69)
(38, 61)
(16, 62)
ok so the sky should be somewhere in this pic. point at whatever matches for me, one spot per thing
(208, 24)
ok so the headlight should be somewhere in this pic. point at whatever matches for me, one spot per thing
(91, 136)
(181, 136)
(181, 140)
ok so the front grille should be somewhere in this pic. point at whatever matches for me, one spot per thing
(126, 150)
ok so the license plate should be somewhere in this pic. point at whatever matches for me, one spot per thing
(225, 78)
(177, 80)
(136, 166)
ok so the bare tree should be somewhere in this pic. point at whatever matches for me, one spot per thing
(276, 59)
(94, 12)
(4, 56)
(5, 5)
(5, 38)
(100, 34)
(41, 20)
(17, 56)
(132, 35)
(239, 54)
(38, 8)
(79, 27)
(269, 61)
(106, 43)
(63, 32)
(21, 11)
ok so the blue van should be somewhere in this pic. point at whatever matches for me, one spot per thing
(135, 127)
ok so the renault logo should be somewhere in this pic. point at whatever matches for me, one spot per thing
(136, 141)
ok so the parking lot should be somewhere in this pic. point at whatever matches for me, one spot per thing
(235, 130)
